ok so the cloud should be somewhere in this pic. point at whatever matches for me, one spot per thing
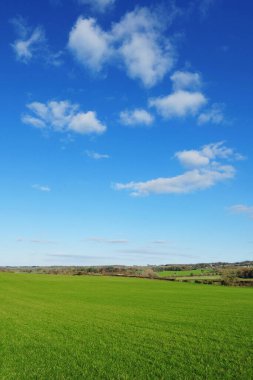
(32, 44)
(214, 115)
(102, 240)
(179, 104)
(63, 116)
(36, 241)
(89, 44)
(96, 156)
(136, 43)
(182, 80)
(204, 7)
(192, 158)
(42, 188)
(98, 5)
(242, 209)
(136, 117)
(162, 242)
(146, 53)
(206, 169)
(27, 47)
(206, 155)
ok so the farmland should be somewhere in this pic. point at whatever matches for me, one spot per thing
(74, 327)
(185, 273)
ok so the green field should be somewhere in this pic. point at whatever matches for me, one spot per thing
(84, 327)
(184, 273)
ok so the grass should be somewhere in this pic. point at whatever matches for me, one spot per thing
(185, 273)
(73, 327)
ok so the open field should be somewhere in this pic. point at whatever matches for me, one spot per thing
(185, 273)
(84, 327)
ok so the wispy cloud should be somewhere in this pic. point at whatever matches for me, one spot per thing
(32, 44)
(63, 116)
(97, 239)
(160, 242)
(96, 155)
(242, 209)
(35, 241)
(207, 167)
(152, 253)
(98, 5)
(136, 117)
(213, 115)
(43, 188)
(205, 6)
(137, 42)
(184, 80)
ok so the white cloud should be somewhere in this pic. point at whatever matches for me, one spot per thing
(98, 5)
(32, 44)
(205, 172)
(89, 44)
(38, 123)
(214, 115)
(183, 80)
(146, 54)
(136, 117)
(43, 188)
(242, 209)
(192, 158)
(179, 104)
(206, 155)
(96, 155)
(63, 116)
(28, 46)
(136, 43)
(86, 123)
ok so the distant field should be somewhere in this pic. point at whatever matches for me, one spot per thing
(84, 327)
(184, 273)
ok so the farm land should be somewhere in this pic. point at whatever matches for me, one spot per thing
(109, 327)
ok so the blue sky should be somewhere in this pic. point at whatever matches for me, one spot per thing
(126, 132)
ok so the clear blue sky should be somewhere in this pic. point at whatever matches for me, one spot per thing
(126, 132)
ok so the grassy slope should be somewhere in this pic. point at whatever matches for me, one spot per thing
(62, 327)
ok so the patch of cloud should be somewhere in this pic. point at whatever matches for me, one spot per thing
(180, 103)
(162, 242)
(136, 117)
(184, 80)
(101, 240)
(206, 155)
(28, 46)
(136, 43)
(43, 188)
(242, 209)
(204, 7)
(213, 115)
(63, 116)
(96, 155)
(89, 44)
(206, 169)
(36, 241)
(98, 5)
(32, 44)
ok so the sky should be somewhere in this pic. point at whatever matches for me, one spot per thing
(126, 132)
